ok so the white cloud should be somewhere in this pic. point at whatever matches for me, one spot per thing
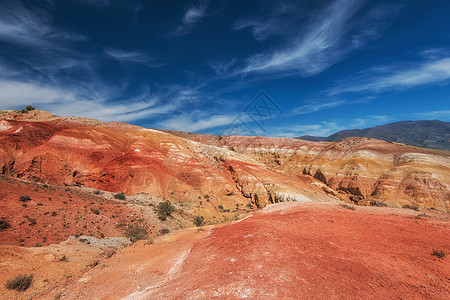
(273, 19)
(434, 53)
(22, 26)
(192, 15)
(221, 67)
(322, 129)
(313, 107)
(261, 30)
(309, 52)
(430, 72)
(325, 129)
(196, 121)
(368, 121)
(47, 50)
(437, 114)
(329, 37)
(135, 56)
(16, 95)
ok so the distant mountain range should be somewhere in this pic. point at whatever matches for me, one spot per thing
(428, 134)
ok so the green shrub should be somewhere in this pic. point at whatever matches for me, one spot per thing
(422, 215)
(24, 198)
(136, 232)
(438, 253)
(198, 221)
(95, 211)
(120, 196)
(59, 296)
(20, 283)
(220, 207)
(29, 107)
(348, 206)
(4, 224)
(64, 258)
(164, 210)
(411, 207)
(164, 231)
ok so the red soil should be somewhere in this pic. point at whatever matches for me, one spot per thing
(288, 250)
(55, 213)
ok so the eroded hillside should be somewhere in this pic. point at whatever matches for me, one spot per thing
(233, 171)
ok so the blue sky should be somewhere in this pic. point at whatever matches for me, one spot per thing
(200, 66)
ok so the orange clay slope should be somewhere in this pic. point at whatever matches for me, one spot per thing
(231, 171)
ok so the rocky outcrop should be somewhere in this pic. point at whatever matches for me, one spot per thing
(362, 170)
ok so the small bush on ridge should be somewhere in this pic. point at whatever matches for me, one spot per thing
(438, 253)
(24, 198)
(136, 232)
(120, 196)
(198, 221)
(164, 210)
(4, 224)
(411, 207)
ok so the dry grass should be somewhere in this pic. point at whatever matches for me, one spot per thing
(348, 206)
(20, 283)
(438, 253)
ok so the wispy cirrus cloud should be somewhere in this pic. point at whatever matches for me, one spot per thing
(436, 114)
(329, 37)
(222, 67)
(196, 121)
(261, 30)
(276, 20)
(316, 106)
(320, 129)
(193, 15)
(82, 103)
(53, 74)
(30, 27)
(326, 128)
(364, 122)
(431, 72)
(41, 51)
(135, 56)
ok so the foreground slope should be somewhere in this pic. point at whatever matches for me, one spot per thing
(288, 250)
